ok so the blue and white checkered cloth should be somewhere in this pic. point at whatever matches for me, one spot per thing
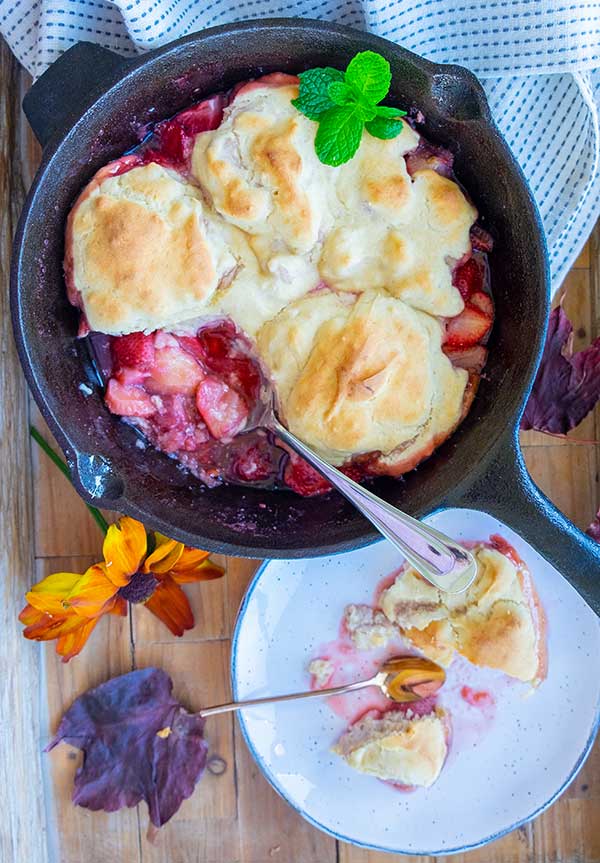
(539, 61)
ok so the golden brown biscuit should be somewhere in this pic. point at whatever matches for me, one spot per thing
(395, 232)
(143, 253)
(492, 624)
(261, 172)
(360, 375)
(402, 748)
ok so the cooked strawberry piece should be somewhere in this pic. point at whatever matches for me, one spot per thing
(481, 240)
(83, 329)
(173, 139)
(468, 278)
(483, 302)
(355, 471)
(128, 401)
(178, 426)
(429, 157)
(221, 408)
(468, 328)
(304, 479)
(135, 350)
(253, 463)
(222, 351)
(473, 359)
(174, 371)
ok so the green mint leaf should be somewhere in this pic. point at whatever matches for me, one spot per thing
(370, 74)
(339, 134)
(366, 111)
(313, 98)
(384, 127)
(340, 93)
(384, 111)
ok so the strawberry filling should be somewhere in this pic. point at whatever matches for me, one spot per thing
(472, 326)
(191, 395)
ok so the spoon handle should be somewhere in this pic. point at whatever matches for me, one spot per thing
(314, 693)
(438, 558)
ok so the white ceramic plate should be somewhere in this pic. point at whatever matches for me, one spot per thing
(508, 761)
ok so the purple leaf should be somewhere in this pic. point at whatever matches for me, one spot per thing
(138, 743)
(567, 385)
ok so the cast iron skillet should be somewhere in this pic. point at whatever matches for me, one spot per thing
(88, 108)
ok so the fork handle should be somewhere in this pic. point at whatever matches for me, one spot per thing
(438, 558)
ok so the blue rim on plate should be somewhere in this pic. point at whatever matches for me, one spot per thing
(267, 772)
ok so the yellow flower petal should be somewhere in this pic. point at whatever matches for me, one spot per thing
(194, 566)
(120, 607)
(92, 592)
(124, 549)
(170, 604)
(165, 555)
(45, 627)
(50, 594)
(72, 643)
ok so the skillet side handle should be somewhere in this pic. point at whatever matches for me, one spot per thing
(68, 86)
(507, 492)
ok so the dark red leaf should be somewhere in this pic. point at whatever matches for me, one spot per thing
(567, 385)
(594, 528)
(139, 743)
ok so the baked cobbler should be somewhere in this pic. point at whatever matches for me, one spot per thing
(398, 747)
(222, 250)
(497, 622)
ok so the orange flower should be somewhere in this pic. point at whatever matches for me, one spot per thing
(66, 606)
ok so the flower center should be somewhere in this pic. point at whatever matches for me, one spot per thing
(140, 588)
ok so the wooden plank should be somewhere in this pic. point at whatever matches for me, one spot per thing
(83, 835)
(568, 476)
(205, 828)
(270, 830)
(63, 524)
(583, 259)
(24, 827)
(568, 832)
(350, 854)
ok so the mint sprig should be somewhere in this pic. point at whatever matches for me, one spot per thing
(346, 103)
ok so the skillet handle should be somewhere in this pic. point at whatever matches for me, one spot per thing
(69, 85)
(507, 492)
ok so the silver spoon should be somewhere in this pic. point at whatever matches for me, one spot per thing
(402, 679)
(439, 559)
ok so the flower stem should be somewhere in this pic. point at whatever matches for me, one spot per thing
(60, 464)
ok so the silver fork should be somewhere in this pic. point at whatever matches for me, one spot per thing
(439, 559)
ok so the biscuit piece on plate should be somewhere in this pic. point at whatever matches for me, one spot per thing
(496, 623)
(402, 748)
(142, 251)
(361, 375)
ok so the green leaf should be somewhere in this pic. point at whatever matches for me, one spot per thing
(367, 111)
(370, 74)
(340, 93)
(384, 111)
(313, 98)
(339, 134)
(384, 127)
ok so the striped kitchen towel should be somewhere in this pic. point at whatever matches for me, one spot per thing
(539, 61)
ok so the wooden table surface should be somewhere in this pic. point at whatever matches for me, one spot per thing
(234, 816)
